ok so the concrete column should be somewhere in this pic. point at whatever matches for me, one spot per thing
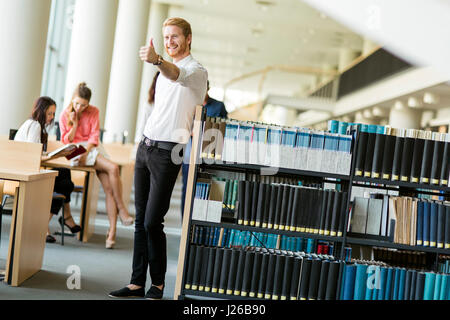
(158, 14)
(401, 116)
(126, 69)
(23, 38)
(346, 57)
(91, 48)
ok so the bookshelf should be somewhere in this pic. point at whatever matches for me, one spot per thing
(346, 182)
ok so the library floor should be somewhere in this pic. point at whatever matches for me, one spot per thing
(101, 270)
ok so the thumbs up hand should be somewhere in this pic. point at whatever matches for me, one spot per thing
(148, 53)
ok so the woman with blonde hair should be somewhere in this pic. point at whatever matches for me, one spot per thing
(80, 124)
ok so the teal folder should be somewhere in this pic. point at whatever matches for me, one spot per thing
(445, 288)
(349, 282)
(401, 287)
(389, 282)
(437, 287)
(396, 284)
(360, 282)
(383, 278)
(430, 279)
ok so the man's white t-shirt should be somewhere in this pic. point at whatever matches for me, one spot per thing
(175, 102)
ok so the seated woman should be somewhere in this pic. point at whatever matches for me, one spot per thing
(79, 123)
(35, 130)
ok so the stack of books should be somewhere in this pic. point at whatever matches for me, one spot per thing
(232, 238)
(263, 273)
(276, 146)
(406, 155)
(369, 280)
(291, 208)
(407, 220)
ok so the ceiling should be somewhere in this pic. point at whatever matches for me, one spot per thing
(235, 38)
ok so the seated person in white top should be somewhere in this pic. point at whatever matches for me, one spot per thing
(35, 130)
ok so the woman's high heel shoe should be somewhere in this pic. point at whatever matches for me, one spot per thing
(109, 243)
(76, 228)
(128, 221)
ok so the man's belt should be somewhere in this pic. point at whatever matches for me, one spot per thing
(159, 144)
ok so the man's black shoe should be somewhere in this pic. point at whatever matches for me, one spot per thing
(154, 293)
(127, 293)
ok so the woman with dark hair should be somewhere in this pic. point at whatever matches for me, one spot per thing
(36, 130)
(80, 123)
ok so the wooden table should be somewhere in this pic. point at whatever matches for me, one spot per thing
(90, 196)
(32, 202)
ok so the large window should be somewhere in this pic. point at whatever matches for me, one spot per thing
(57, 53)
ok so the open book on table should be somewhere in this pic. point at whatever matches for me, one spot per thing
(74, 150)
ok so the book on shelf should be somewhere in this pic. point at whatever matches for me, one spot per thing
(417, 222)
(276, 146)
(400, 154)
(371, 280)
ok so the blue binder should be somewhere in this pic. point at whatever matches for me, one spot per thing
(426, 223)
(430, 279)
(360, 282)
(349, 283)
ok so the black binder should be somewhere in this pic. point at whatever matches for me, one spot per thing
(329, 212)
(225, 270)
(369, 154)
(278, 279)
(343, 214)
(197, 267)
(255, 195)
(314, 279)
(428, 150)
(441, 226)
(190, 267)
(337, 208)
(323, 280)
(273, 205)
(241, 201)
(210, 270)
(333, 276)
(204, 269)
(323, 211)
(361, 153)
(417, 156)
(295, 209)
(388, 154)
(248, 202)
(256, 272)
(287, 279)
(280, 197)
(295, 284)
(438, 153)
(261, 204)
(233, 270)
(239, 273)
(267, 197)
(406, 164)
(304, 279)
(263, 275)
(217, 269)
(445, 170)
(247, 277)
(397, 162)
(378, 155)
(270, 276)
(284, 206)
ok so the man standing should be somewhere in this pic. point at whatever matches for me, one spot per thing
(180, 87)
(214, 108)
